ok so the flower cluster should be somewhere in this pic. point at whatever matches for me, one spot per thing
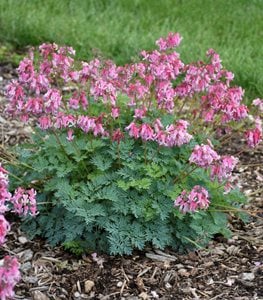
(4, 229)
(254, 136)
(23, 202)
(203, 156)
(173, 135)
(4, 194)
(9, 276)
(197, 198)
(5, 197)
(61, 95)
(221, 167)
(171, 41)
(259, 103)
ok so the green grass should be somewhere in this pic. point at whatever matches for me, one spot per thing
(119, 29)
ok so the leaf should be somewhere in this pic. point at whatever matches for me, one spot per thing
(102, 162)
(139, 184)
(64, 191)
(155, 171)
(40, 164)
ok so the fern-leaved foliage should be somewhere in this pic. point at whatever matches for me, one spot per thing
(116, 197)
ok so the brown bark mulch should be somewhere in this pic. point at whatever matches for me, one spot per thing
(225, 269)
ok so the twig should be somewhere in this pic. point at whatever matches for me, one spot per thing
(144, 271)
(124, 274)
(51, 259)
(217, 296)
(255, 192)
(154, 272)
(123, 285)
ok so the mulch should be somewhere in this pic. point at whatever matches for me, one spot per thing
(225, 269)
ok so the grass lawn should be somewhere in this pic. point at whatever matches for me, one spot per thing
(119, 29)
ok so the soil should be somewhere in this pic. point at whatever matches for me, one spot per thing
(225, 269)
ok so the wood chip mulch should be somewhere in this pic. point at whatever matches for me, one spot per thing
(225, 269)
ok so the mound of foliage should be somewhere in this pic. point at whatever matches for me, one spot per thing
(126, 156)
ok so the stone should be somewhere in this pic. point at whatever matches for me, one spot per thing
(25, 255)
(88, 285)
(37, 295)
(144, 296)
(22, 240)
(26, 266)
(248, 276)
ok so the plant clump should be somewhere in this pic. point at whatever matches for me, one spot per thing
(126, 156)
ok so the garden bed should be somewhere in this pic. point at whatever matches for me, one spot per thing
(226, 269)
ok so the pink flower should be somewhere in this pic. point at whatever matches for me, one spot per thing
(208, 115)
(115, 112)
(34, 105)
(4, 229)
(177, 135)
(182, 202)
(74, 75)
(24, 202)
(254, 136)
(104, 89)
(139, 113)
(157, 125)
(229, 77)
(165, 95)
(234, 112)
(44, 122)
(45, 68)
(228, 187)
(137, 90)
(134, 130)
(258, 102)
(4, 194)
(65, 121)
(223, 168)
(98, 129)
(83, 100)
(26, 70)
(216, 61)
(70, 135)
(117, 135)
(146, 132)
(9, 277)
(47, 49)
(62, 62)
(40, 83)
(198, 198)
(161, 138)
(74, 102)
(203, 156)
(171, 41)
(16, 96)
(86, 123)
(52, 100)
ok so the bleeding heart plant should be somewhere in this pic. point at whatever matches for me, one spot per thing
(124, 156)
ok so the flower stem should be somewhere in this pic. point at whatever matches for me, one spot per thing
(145, 152)
(187, 174)
(16, 177)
